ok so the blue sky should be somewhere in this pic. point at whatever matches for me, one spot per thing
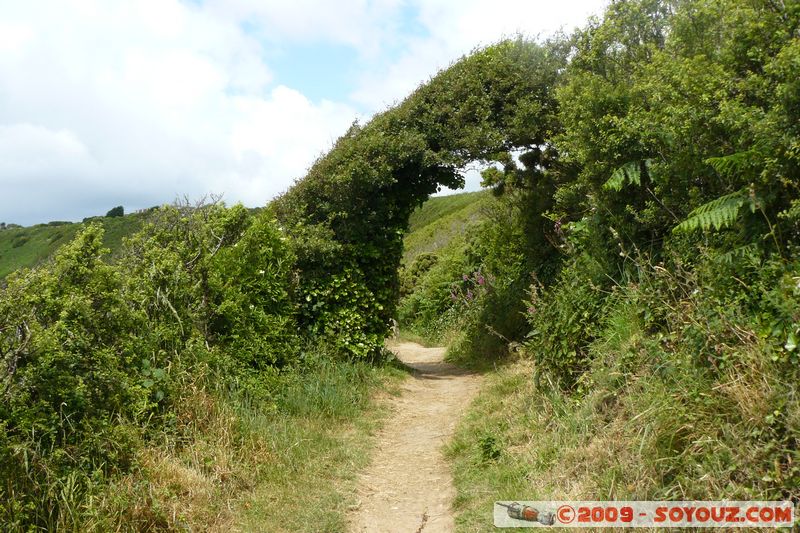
(137, 102)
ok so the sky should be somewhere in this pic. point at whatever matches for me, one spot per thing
(140, 102)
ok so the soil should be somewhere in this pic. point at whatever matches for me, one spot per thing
(408, 486)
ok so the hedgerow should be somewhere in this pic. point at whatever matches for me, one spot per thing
(96, 354)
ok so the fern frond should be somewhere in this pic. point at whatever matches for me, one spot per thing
(733, 164)
(719, 213)
(627, 174)
(746, 251)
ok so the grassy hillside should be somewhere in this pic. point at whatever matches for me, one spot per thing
(27, 247)
(433, 226)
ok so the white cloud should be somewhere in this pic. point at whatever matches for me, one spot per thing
(138, 102)
(282, 127)
(27, 151)
(454, 28)
(363, 24)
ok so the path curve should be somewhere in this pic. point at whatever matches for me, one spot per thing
(408, 486)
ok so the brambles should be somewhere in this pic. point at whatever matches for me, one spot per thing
(96, 353)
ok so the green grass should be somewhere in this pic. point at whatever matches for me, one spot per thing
(648, 423)
(27, 247)
(288, 463)
(442, 219)
(317, 447)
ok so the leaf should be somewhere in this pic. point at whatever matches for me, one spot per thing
(718, 214)
(628, 174)
(791, 342)
(733, 164)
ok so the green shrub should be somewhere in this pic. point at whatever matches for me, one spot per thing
(409, 278)
(97, 354)
(565, 318)
(116, 212)
(363, 191)
(73, 396)
(19, 240)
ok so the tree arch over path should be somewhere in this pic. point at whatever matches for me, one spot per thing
(348, 215)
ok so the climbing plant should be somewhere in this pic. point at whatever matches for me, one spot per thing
(358, 197)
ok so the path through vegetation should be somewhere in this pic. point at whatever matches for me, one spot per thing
(408, 486)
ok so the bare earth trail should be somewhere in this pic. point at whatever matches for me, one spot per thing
(408, 486)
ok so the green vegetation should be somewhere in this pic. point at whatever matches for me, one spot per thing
(27, 247)
(116, 212)
(350, 212)
(157, 391)
(440, 221)
(636, 266)
(640, 271)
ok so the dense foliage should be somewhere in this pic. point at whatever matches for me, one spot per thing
(642, 250)
(96, 354)
(350, 212)
(649, 242)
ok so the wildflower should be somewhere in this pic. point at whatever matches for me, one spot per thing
(531, 310)
(481, 279)
(469, 295)
(465, 277)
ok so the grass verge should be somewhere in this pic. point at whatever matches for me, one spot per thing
(646, 423)
(286, 463)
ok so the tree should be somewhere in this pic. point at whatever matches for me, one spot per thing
(116, 212)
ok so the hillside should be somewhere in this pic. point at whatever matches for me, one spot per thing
(29, 246)
(441, 219)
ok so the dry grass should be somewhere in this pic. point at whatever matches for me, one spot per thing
(232, 466)
(651, 425)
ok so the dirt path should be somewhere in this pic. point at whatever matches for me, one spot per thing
(408, 486)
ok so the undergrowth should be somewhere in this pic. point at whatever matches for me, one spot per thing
(685, 395)
(232, 461)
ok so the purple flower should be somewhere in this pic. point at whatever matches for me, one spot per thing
(531, 310)
(469, 295)
(465, 277)
(481, 280)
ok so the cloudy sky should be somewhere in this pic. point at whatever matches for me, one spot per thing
(109, 102)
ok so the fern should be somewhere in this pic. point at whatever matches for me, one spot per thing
(718, 214)
(748, 251)
(733, 164)
(627, 174)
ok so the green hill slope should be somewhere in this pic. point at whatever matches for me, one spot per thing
(433, 226)
(29, 246)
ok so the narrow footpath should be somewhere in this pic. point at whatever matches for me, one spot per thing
(408, 486)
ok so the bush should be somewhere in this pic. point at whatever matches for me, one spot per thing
(74, 399)
(116, 212)
(19, 240)
(363, 191)
(565, 318)
(97, 354)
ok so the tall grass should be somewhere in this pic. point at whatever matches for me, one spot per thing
(236, 462)
(652, 417)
